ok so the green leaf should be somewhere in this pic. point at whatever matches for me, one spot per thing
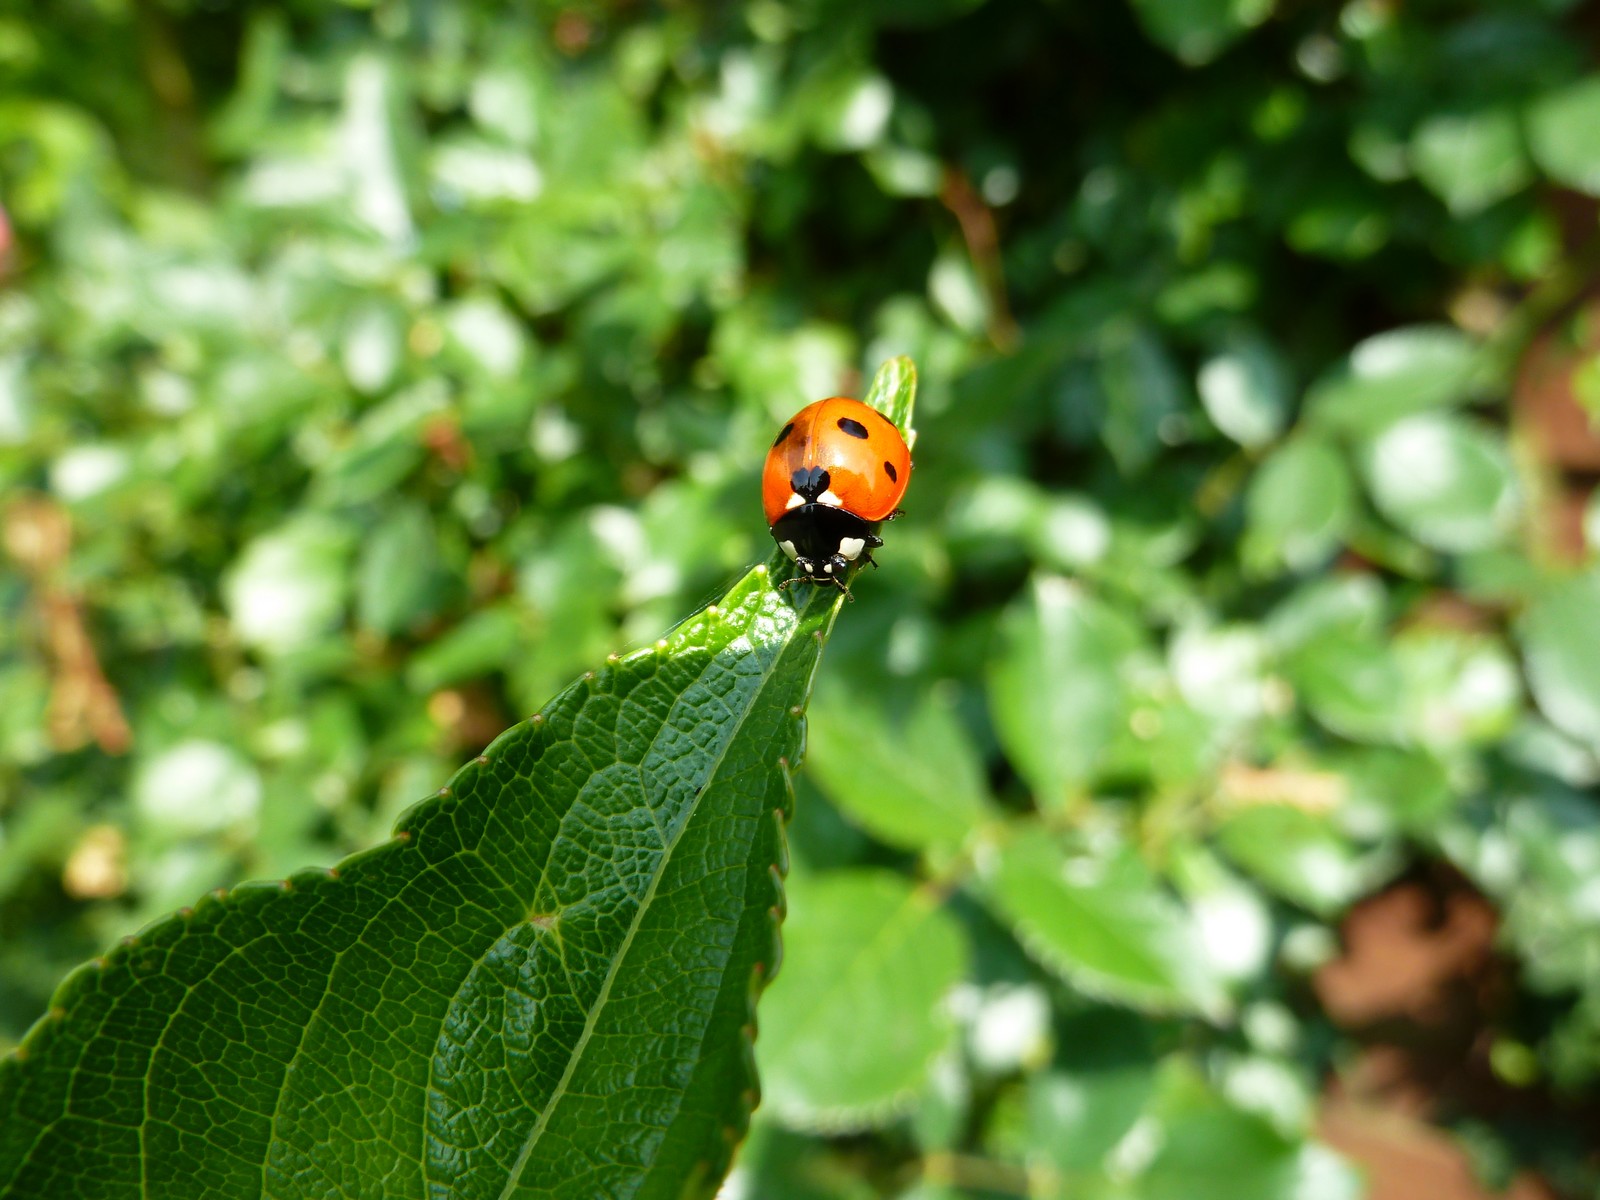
(1445, 482)
(1142, 389)
(1196, 31)
(1564, 134)
(1245, 390)
(1211, 1150)
(851, 1026)
(398, 580)
(196, 787)
(288, 586)
(915, 786)
(1470, 160)
(893, 392)
(1560, 636)
(540, 987)
(1295, 853)
(475, 647)
(1078, 1114)
(1349, 680)
(1105, 925)
(1298, 508)
(1056, 686)
(956, 291)
(779, 1164)
(1458, 688)
(382, 449)
(1391, 376)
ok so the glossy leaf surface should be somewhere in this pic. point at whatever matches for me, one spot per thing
(541, 986)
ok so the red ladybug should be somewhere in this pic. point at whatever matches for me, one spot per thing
(833, 474)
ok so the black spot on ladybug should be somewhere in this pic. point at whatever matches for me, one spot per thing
(888, 469)
(854, 428)
(783, 433)
(810, 482)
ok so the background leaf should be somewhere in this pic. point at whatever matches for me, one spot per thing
(1104, 923)
(1245, 389)
(1560, 636)
(1057, 686)
(1447, 484)
(856, 1018)
(917, 785)
(1562, 135)
(1393, 374)
(1299, 506)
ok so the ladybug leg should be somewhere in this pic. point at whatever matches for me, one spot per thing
(873, 542)
(866, 557)
(899, 512)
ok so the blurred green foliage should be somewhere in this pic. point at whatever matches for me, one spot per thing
(369, 370)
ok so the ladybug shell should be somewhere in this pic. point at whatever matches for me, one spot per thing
(866, 459)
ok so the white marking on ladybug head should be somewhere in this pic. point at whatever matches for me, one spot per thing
(851, 548)
(827, 568)
(795, 500)
(788, 548)
(830, 499)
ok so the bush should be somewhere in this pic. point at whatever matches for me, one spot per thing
(1210, 763)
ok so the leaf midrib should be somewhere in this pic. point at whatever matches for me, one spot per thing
(514, 1179)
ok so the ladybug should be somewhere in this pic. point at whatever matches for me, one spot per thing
(834, 473)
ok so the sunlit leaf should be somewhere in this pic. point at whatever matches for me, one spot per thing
(1056, 686)
(852, 1024)
(1447, 483)
(1471, 159)
(1245, 389)
(1564, 135)
(1105, 924)
(917, 785)
(1560, 636)
(1392, 374)
(556, 954)
(1299, 506)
